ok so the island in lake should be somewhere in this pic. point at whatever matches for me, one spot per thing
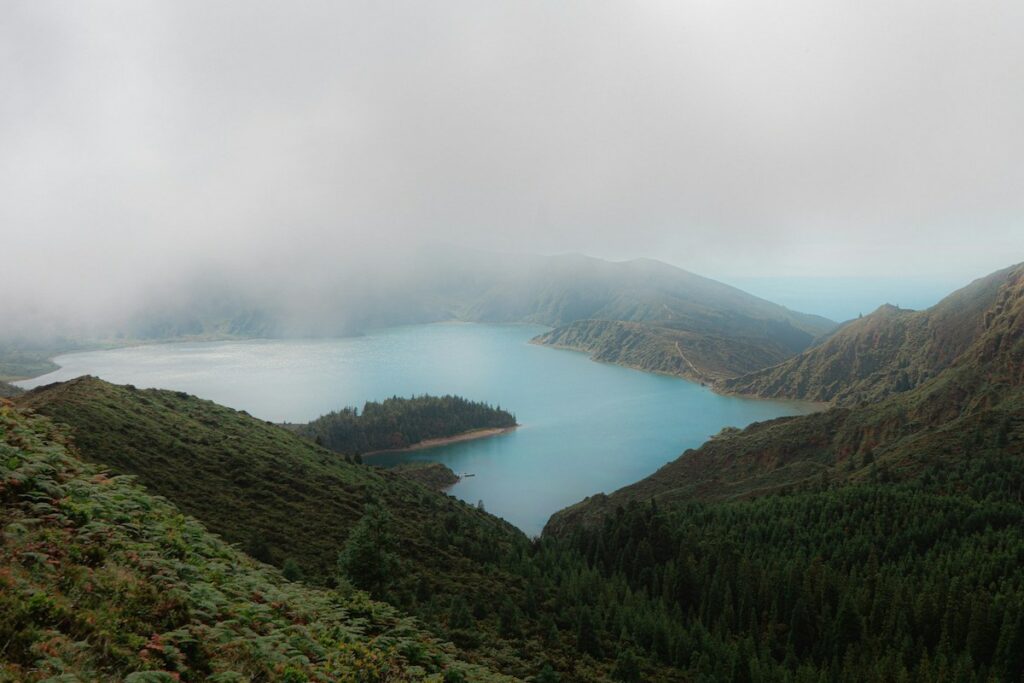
(406, 423)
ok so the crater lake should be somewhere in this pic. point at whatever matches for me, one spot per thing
(585, 427)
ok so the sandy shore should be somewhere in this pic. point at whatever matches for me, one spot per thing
(434, 443)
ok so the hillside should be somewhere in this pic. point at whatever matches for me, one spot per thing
(655, 348)
(889, 351)
(874, 542)
(100, 580)
(8, 390)
(977, 402)
(296, 505)
(401, 422)
(288, 498)
(655, 317)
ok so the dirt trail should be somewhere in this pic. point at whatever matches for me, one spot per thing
(698, 373)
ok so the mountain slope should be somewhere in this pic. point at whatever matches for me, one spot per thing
(468, 575)
(886, 352)
(100, 580)
(8, 390)
(879, 541)
(655, 317)
(975, 405)
(655, 348)
(280, 496)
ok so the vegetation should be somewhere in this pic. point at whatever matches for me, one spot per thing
(8, 390)
(281, 497)
(433, 475)
(887, 352)
(874, 541)
(402, 422)
(21, 358)
(99, 580)
(914, 581)
(701, 357)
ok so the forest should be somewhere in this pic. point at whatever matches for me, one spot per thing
(402, 422)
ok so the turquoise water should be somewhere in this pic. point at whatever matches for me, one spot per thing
(586, 427)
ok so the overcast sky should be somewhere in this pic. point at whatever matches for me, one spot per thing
(736, 139)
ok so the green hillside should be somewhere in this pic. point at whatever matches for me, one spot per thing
(100, 580)
(656, 348)
(278, 495)
(472, 578)
(8, 390)
(879, 542)
(889, 351)
(401, 422)
(976, 403)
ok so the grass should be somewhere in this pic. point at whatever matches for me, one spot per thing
(101, 580)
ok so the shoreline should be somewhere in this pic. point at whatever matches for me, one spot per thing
(711, 385)
(471, 435)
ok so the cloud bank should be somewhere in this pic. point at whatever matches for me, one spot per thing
(146, 142)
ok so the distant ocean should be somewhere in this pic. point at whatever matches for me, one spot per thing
(847, 297)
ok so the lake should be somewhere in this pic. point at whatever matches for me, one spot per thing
(586, 427)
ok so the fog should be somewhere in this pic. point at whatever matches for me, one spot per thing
(149, 147)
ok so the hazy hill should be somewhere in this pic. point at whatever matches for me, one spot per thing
(101, 580)
(640, 313)
(648, 315)
(722, 330)
(889, 351)
(8, 390)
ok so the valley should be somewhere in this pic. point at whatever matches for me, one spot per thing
(790, 549)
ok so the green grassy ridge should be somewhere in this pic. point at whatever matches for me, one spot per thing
(889, 351)
(100, 580)
(8, 390)
(655, 348)
(396, 423)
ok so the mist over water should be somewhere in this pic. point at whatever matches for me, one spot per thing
(586, 427)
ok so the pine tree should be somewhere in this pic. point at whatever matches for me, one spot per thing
(368, 559)
(291, 570)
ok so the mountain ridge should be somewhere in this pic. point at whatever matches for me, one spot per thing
(888, 351)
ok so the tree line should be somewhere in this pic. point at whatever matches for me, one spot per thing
(402, 422)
